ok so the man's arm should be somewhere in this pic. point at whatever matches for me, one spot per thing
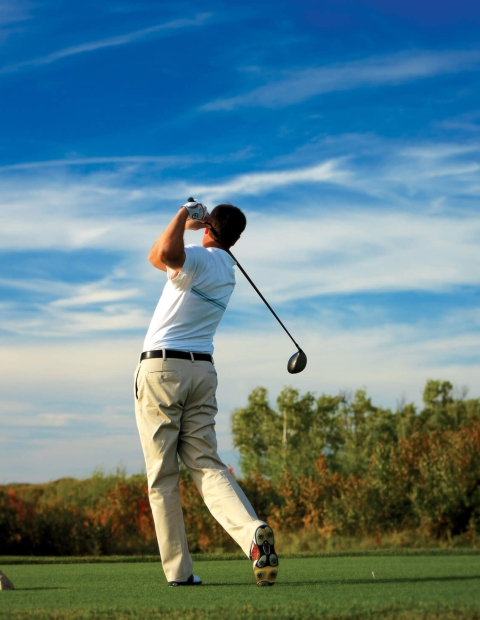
(169, 249)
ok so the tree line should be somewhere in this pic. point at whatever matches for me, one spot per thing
(348, 467)
(347, 431)
(336, 467)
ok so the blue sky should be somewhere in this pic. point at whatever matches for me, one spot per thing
(348, 131)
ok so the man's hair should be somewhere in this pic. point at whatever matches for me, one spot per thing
(228, 223)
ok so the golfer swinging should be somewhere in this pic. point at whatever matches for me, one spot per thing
(175, 384)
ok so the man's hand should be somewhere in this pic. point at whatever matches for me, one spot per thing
(195, 209)
(195, 224)
(198, 224)
(169, 249)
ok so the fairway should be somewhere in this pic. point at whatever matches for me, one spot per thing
(423, 586)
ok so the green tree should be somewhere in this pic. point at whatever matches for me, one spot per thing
(358, 424)
(348, 432)
(329, 427)
(257, 433)
(290, 440)
(442, 410)
(406, 420)
(301, 443)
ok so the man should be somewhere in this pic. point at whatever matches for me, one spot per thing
(175, 385)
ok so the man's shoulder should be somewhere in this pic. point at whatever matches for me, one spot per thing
(200, 252)
(201, 259)
(196, 250)
(197, 259)
(196, 253)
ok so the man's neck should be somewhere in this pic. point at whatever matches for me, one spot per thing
(214, 244)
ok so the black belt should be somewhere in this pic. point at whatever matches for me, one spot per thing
(181, 355)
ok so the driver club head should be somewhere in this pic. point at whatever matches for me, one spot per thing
(297, 362)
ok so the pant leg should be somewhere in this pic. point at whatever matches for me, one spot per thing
(159, 396)
(197, 448)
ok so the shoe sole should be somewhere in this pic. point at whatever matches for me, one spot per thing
(265, 568)
(177, 584)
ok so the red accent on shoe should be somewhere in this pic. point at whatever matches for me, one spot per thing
(255, 552)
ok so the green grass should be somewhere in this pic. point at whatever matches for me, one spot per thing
(443, 586)
(204, 557)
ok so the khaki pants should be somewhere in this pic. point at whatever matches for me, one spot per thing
(175, 409)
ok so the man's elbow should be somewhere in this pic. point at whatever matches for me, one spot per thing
(154, 258)
(172, 258)
(167, 256)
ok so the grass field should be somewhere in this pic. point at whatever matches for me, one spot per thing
(417, 586)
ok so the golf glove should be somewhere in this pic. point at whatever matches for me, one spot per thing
(196, 211)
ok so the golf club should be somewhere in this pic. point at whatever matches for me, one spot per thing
(298, 361)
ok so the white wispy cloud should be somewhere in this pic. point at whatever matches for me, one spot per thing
(101, 209)
(88, 297)
(158, 30)
(411, 240)
(398, 173)
(52, 322)
(52, 458)
(256, 183)
(439, 150)
(13, 11)
(55, 419)
(161, 161)
(467, 122)
(390, 360)
(129, 162)
(13, 415)
(300, 85)
(33, 285)
(348, 252)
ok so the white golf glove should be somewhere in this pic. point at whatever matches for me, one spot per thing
(196, 211)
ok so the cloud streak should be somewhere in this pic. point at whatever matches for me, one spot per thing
(257, 183)
(74, 390)
(360, 252)
(161, 161)
(344, 253)
(125, 39)
(92, 209)
(392, 70)
(12, 12)
(406, 239)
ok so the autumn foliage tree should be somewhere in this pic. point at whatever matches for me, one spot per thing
(336, 466)
(347, 467)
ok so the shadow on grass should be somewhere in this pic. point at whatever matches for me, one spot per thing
(382, 581)
(42, 588)
(349, 582)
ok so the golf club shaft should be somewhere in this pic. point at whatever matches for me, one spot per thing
(217, 238)
(262, 297)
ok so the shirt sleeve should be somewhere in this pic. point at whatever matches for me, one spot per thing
(195, 263)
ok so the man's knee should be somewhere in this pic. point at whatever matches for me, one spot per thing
(163, 480)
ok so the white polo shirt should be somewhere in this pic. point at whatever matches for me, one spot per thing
(192, 304)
